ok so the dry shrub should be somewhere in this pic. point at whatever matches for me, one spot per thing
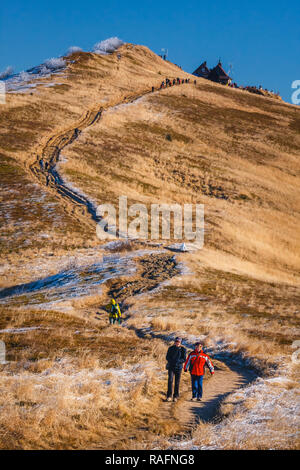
(165, 324)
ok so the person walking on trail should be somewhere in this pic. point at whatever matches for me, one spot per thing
(115, 314)
(195, 364)
(175, 357)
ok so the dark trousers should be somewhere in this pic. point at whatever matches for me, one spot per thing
(197, 387)
(171, 374)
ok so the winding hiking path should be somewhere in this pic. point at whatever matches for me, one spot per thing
(154, 269)
(184, 415)
(225, 381)
(44, 165)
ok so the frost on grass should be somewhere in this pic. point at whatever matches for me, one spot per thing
(6, 73)
(73, 49)
(54, 63)
(27, 81)
(107, 46)
(20, 330)
(68, 406)
(70, 283)
(264, 417)
(65, 372)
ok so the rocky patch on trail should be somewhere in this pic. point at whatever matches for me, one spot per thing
(152, 270)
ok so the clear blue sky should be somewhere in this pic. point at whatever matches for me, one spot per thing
(261, 39)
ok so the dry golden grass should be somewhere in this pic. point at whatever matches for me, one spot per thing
(220, 155)
(75, 384)
(28, 120)
(33, 224)
(164, 324)
(236, 153)
(249, 425)
(253, 319)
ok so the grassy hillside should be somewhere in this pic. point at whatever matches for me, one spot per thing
(235, 152)
(28, 120)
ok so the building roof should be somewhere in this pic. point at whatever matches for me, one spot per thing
(218, 74)
(202, 70)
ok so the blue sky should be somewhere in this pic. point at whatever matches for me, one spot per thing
(261, 39)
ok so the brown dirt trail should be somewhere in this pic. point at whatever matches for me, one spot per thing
(44, 165)
(152, 270)
(215, 389)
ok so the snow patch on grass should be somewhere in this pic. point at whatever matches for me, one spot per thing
(73, 49)
(73, 281)
(27, 81)
(20, 330)
(263, 417)
(6, 73)
(107, 46)
(54, 63)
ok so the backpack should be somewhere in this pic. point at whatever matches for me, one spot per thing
(114, 310)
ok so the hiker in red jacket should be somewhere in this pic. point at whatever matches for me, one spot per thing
(195, 363)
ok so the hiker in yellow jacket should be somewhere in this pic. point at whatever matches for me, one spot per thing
(115, 314)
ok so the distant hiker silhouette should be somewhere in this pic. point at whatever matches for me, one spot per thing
(115, 314)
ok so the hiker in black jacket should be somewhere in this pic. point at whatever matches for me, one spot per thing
(175, 357)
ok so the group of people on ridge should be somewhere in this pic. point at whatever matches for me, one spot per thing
(175, 81)
(195, 364)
